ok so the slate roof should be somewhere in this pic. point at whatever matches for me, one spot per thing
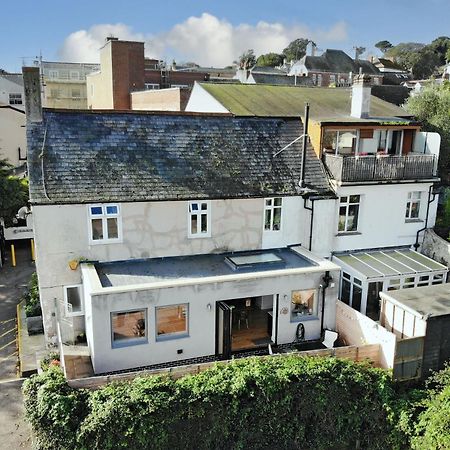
(327, 104)
(116, 156)
(337, 61)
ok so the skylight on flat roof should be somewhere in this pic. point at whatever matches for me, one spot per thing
(250, 260)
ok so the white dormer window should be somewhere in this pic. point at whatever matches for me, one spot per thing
(104, 224)
(199, 219)
(272, 213)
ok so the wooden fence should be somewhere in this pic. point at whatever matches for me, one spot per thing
(370, 352)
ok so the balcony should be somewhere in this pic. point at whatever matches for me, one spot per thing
(354, 168)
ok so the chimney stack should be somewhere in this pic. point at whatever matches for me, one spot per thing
(361, 92)
(32, 88)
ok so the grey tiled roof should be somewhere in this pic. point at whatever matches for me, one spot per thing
(112, 156)
(337, 61)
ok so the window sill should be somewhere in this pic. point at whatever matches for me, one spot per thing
(413, 220)
(349, 233)
(305, 318)
(129, 343)
(171, 337)
(105, 241)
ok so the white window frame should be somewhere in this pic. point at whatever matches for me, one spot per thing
(174, 334)
(151, 86)
(192, 212)
(53, 74)
(74, 75)
(347, 205)
(181, 86)
(272, 209)
(411, 200)
(353, 281)
(70, 313)
(104, 216)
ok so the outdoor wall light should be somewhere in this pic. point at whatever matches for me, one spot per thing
(209, 306)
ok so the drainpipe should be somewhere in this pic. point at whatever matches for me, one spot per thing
(305, 145)
(311, 208)
(430, 200)
(326, 279)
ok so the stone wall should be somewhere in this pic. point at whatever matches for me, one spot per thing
(435, 247)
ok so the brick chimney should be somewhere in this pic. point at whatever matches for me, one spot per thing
(32, 88)
(361, 96)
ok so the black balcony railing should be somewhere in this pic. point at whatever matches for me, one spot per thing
(380, 168)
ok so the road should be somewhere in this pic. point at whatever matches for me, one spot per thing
(14, 432)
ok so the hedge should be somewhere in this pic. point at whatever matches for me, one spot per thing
(258, 403)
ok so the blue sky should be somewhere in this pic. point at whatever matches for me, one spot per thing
(210, 32)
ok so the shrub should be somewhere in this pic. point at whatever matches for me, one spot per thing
(432, 429)
(53, 409)
(281, 402)
(33, 304)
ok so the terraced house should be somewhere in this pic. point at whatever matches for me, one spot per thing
(167, 237)
(381, 167)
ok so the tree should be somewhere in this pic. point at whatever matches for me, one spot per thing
(441, 46)
(383, 46)
(405, 54)
(246, 60)
(270, 60)
(296, 49)
(431, 107)
(13, 192)
(359, 51)
(425, 64)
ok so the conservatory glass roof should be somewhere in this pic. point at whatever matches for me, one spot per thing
(388, 263)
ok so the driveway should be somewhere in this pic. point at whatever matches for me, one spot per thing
(14, 432)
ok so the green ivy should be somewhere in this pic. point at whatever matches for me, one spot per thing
(286, 402)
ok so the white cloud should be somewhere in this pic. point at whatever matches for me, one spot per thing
(207, 40)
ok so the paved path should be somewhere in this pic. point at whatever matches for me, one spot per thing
(14, 433)
(13, 284)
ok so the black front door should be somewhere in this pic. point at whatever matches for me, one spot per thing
(223, 330)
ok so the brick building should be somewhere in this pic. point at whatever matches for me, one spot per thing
(124, 69)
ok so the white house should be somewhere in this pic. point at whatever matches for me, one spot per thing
(168, 237)
(13, 144)
(382, 169)
(11, 90)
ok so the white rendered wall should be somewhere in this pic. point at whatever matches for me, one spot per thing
(8, 87)
(152, 229)
(202, 321)
(201, 101)
(381, 221)
(12, 135)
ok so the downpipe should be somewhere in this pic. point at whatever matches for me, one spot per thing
(430, 200)
(326, 279)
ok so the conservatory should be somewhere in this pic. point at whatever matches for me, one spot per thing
(366, 273)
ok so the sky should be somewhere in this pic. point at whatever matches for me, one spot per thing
(210, 33)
